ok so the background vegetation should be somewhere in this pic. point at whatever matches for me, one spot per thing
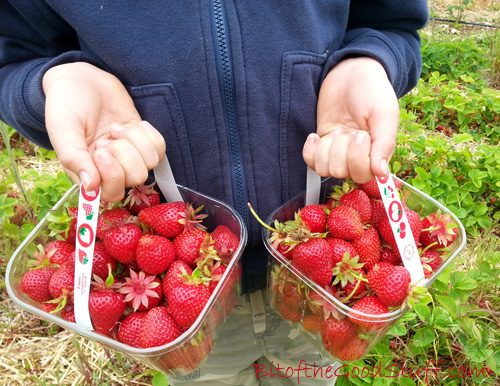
(447, 147)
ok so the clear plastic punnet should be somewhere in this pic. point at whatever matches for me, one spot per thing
(192, 347)
(304, 304)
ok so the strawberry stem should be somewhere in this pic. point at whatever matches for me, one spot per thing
(360, 278)
(352, 292)
(260, 221)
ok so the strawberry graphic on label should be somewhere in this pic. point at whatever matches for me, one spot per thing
(82, 256)
(89, 213)
(395, 211)
(388, 192)
(401, 230)
(85, 235)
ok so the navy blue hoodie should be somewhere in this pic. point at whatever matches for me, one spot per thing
(232, 85)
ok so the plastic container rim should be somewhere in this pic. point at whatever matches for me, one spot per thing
(388, 316)
(138, 352)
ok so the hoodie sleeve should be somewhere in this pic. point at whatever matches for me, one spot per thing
(27, 51)
(386, 30)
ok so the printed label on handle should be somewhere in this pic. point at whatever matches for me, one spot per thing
(88, 209)
(401, 228)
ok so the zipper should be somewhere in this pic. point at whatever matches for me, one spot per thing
(226, 84)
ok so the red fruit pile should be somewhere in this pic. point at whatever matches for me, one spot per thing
(153, 273)
(349, 250)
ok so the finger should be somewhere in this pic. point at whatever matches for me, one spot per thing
(309, 149)
(358, 157)
(383, 132)
(148, 142)
(68, 140)
(128, 157)
(112, 175)
(337, 155)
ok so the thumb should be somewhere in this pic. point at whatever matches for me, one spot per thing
(72, 151)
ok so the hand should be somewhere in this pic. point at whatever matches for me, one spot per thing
(96, 131)
(358, 115)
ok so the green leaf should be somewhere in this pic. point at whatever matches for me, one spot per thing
(399, 329)
(462, 282)
(422, 311)
(480, 209)
(484, 222)
(424, 337)
(461, 138)
(159, 379)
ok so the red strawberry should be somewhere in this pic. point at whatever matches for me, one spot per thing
(68, 314)
(353, 351)
(216, 274)
(368, 248)
(291, 294)
(314, 216)
(344, 223)
(188, 245)
(102, 261)
(378, 212)
(439, 229)
(130, 329)
(289, 313)
(285, 250)
(186, 303)
(158, 328)
(142, 292)
(312, 323)
(35, 283)
(370, 305)
(109, 218)
(106, 306)
(340, 248)
(48, 307)
(62, 281)
(122, 241)
(62, 251)
(141, 197)
(314, 258)
(358, 200)
(226, 242)
(386, 230)
(390, 284)
(371, 188)
(431, 261)
(154, 254)
(337, 333)
(388, 255)
(352, 287)
(174, 276)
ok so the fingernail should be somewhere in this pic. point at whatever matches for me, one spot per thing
(102, 142)
(384, 167)
(85, 179)
(338, 131)
(311, 139)
(104, 156)
(360, 136)
(116, 129)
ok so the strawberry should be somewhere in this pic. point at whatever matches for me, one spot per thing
(438, 231)
(48, 307)
(122, 241)
(314, 258)
(62, 282)
(344, 223)
(141, 292)
(372, 190)
(35, 283)
(390, 284)
(216, 273)
(130, 329)
(188, 245)
(337, 333)
(62, 251)
(109, 218)
(106, 306)
(353, 351)
(292, 294)
(226, 242)
(415, 226)
(340, 248)
(141, 197)
(174, 276)
(102, 261)
(388, 255)
(68, 314)
(291, 314)
(154, 254)
(312, 323)
(353, 289)
(368, 248)
(158, 328)
(378, 212)
(370, 305)
(431, 261)
(171, 219)
(186, 303)
(314, 216)
(358, 200)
